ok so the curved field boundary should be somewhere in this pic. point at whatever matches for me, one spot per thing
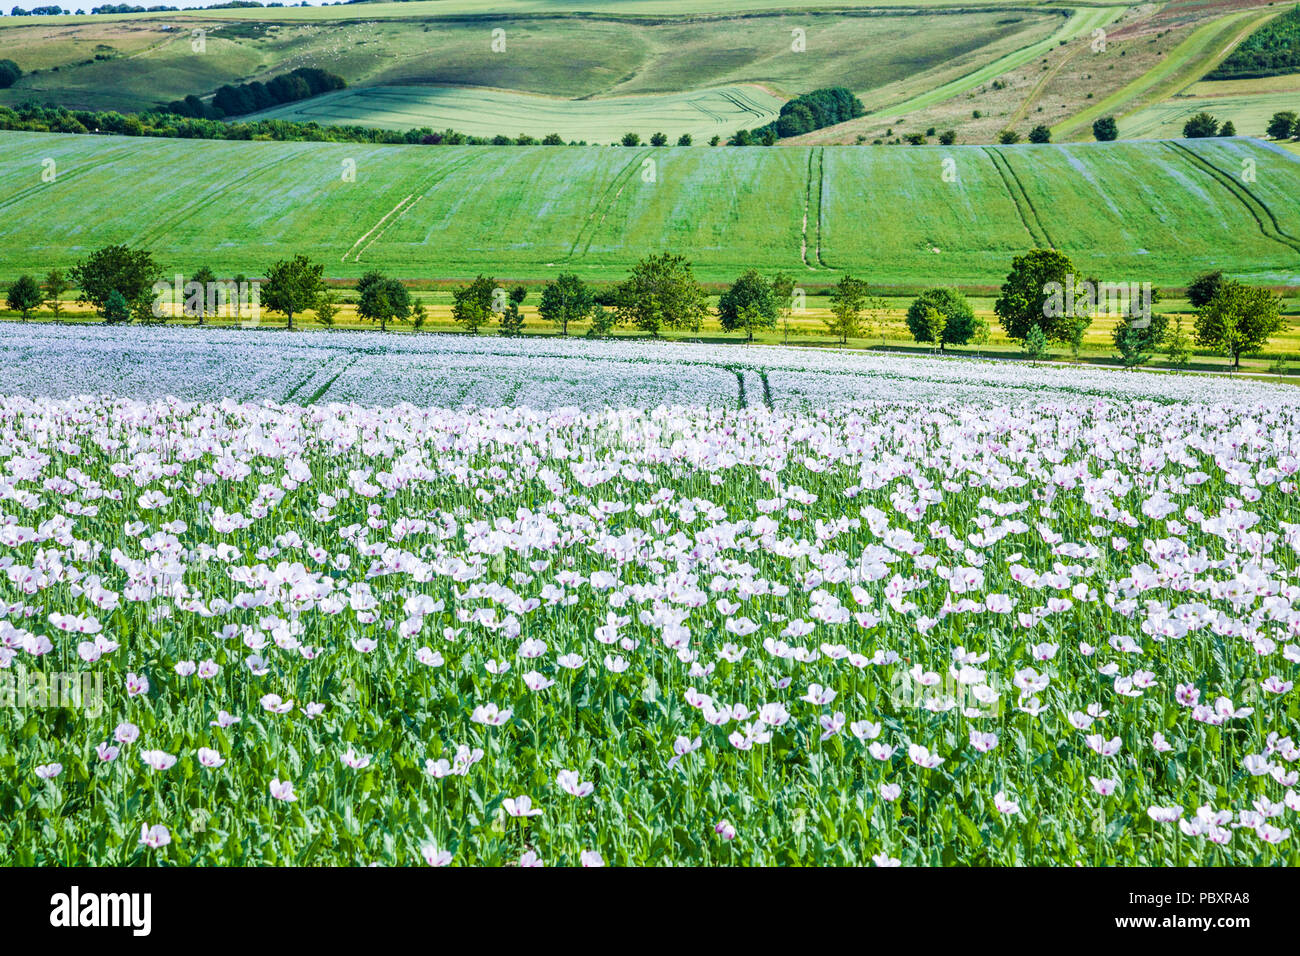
(1258, 208)
(1080, 20)
(1206, 48)
(1024, 208)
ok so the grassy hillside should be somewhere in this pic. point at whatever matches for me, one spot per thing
(702, 113)
(137, 62)
(1124, 211)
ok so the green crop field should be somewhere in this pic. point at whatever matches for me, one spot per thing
(1249, 104)
(702, 113)
(1136, 211)
(139, 62)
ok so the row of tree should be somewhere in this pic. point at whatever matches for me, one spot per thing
(237, 100)
(1230, 317)
(661, 293)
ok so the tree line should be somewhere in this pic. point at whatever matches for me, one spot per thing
(662, 294)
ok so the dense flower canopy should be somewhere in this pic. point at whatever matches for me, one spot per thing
(1056, 632)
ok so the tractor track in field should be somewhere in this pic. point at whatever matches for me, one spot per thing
(821, 204)
(1257, 208)
(193, 208)
(1024, 207)
(807, 204)
(62, 177)
(403, 207)
(603, 204)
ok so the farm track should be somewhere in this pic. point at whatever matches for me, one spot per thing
(1016, 191)
(440, 177)
(1257, 207)
(821, 204)
(588, 228)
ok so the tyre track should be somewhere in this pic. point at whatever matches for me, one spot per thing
(1254, 205)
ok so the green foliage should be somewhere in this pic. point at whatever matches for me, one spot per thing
(1035, 344)
(959, 317)
(326, 308)
(1284, 125)
(1200, 126)
(382, 299)
(293, 286)
(1008, 137)
(815, 110)
(750, 303)
(1023, 303)
(512, 319)
(1137, 339)
(1040, 134)
(24, 296)
(567, 299)
(1105, 129)
(1202, 288)
(471, 306)
(1238, 320)
(848, 299)
(55, 286)
(297, 84)
(129, 272)
(1272, 50)
(1178, 349)
(661, 293)
(9, 73)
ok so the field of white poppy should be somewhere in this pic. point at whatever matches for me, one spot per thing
(770, 606)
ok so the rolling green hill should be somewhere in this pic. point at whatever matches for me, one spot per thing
(1128, 211)
(702, 113)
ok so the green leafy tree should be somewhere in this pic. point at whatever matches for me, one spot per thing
(1238, 320)
(55, 286)
(10, 73)
(783, 293)
(565, 300)
(382, 299)
(1035, 344)
(1202, 288)
(1008, 137)
(658, 139)
(418, 316)
(848, 299)
(1137, 338)
(293, 286)
(934, 323)
(512, 319)
(129, 272)
(748, 304)
(471, 306)
(1027, 298)
(1040, 134)
(661, 293)
(959, 317)
(1178, 347)
(24, 296)
(948, 137)
(603, 321)
(684, 139)
(326, 308)
(1105, 129)
(116, 310)
(1228, 128)
(1200, 126)
(1283, 125)
(631, 139)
